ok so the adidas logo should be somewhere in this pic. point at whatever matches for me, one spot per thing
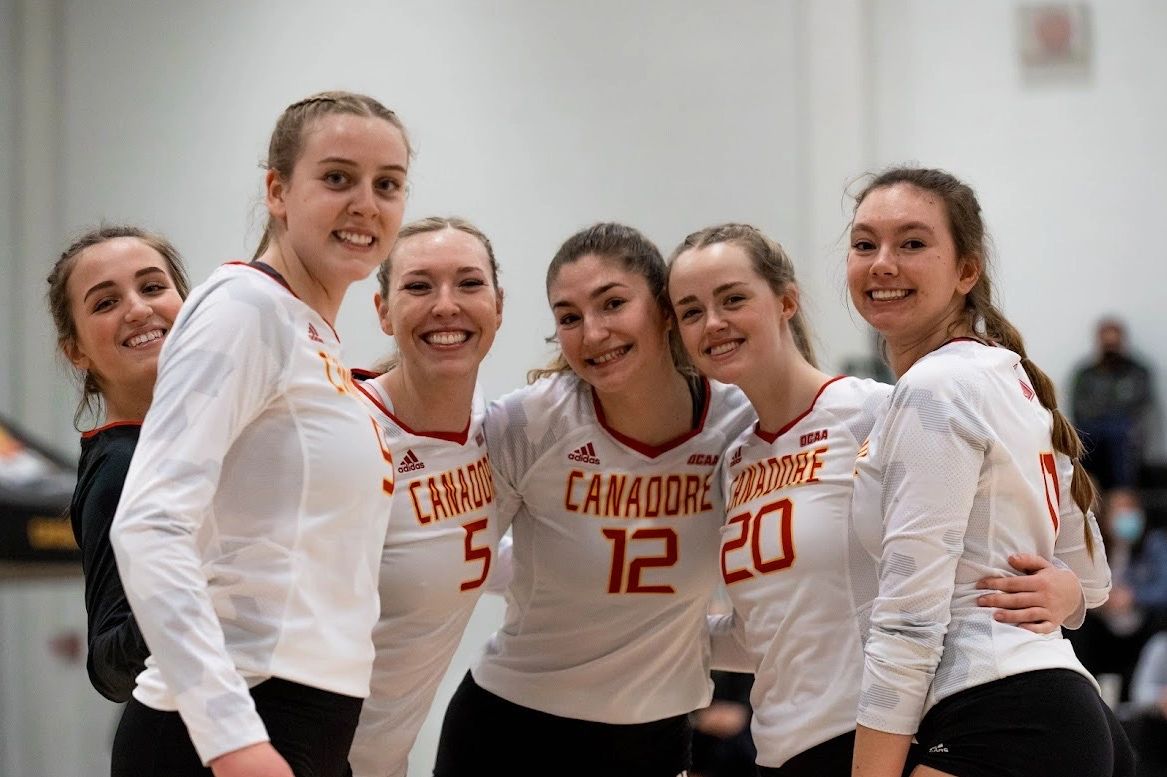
(410, 462)
(736, 458)
(585, 454)
(313, 335)
(940, 748)
(479, 439)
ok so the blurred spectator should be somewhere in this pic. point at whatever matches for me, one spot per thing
(1147, 722)
(1112, 404)
(1112, 637)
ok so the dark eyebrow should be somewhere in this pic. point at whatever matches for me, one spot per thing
(464, 269)
(719, 290)
(908, 227)
(601, 291)
(108, 284)
(339, 160)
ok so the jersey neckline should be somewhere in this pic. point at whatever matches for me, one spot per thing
(653, 451)
(271, 272)
(106, 427)
(360, 376)
(770, 439)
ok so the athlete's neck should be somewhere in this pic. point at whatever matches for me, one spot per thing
(323, 297)
(127, 403)
(660, 408)
(903, 353)
(781, 395)
(426, 404)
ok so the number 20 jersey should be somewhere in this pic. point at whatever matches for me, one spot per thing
(785, 565)
(439, 549)
(615, 556)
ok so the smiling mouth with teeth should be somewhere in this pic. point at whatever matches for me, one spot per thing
(354, 238)
(883, 295)
(446, 338)
(609, 356)
(145, 337)
(724, 348)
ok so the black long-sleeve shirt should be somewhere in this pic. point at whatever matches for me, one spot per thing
(117, 650)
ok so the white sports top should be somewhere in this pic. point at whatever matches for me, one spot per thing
(440, 548)
(958, 475)
(249, 532)
(615, 556)
(785, 566)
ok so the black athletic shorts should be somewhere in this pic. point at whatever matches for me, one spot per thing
(485, 734)
(312, 729)
(1047, 723)
(826, 759)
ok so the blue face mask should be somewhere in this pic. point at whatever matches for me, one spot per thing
(1128, 524)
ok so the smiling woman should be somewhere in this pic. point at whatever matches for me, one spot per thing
(971, 462)
(114, 295)
(254, 512)
(439, 299)
(605, 466)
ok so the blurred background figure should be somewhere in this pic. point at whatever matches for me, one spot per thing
(1113, 636)
(1113, 405)
(1147, 721)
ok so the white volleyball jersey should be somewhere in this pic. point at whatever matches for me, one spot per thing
(785, 566)
(250, 528)
(959, 474)
(439, 549)
(615, 556)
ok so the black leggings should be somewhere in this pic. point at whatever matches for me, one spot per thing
(312, 729)
(485, 734)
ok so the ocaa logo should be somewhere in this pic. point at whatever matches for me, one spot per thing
(703, 459)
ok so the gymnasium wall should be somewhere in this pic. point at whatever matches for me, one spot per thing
(534, 119)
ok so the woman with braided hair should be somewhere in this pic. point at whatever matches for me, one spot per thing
(250, 528)
(971, 462)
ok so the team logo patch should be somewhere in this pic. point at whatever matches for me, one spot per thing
(1026, 390)
(410, 462)
(704, 459)
(585, 454)
(313, 335)
(736, 458)
(810, 438)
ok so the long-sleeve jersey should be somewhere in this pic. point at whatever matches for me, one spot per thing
(439, 550)
(960, 473)
(250, 529)
(615, 556)
(117, 651)
(785, 567)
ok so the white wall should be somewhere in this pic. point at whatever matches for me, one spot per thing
(1069, 174)
(533, 119)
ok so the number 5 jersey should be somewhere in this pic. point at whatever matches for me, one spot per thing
(439, 549)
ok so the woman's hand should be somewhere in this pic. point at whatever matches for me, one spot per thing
(1039, 600)
(258, 760)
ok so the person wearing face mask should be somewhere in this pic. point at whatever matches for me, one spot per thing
(1112, 400)
(1114, 635)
